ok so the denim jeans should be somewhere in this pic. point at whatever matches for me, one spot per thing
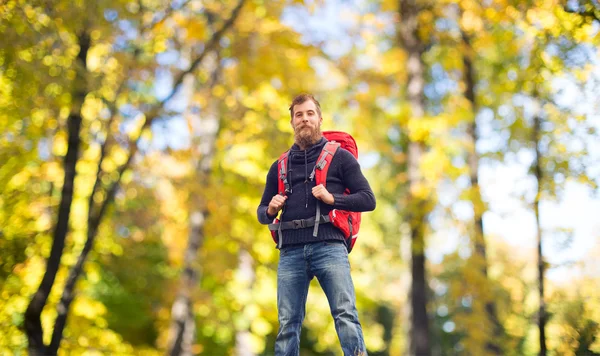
(298, 264)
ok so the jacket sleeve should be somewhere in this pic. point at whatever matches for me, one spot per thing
(361, 197)
(268, 194)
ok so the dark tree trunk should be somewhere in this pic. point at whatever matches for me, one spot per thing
(75, 271)
(33, 325)
(420, 323)
(537, 169)
(410, 41)
(493, 343)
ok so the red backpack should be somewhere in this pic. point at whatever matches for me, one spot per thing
(348, 222)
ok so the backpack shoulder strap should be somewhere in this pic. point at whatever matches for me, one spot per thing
(283, 185)
(320, 174)
(323, 162)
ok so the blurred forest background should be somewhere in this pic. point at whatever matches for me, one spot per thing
(136, 136)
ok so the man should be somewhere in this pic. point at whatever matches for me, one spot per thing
(303, 255)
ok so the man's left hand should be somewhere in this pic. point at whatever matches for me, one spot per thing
(322, 194)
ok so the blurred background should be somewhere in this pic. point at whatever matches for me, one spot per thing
(136, 137)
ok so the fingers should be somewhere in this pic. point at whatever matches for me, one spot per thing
(279, 200)
(321, 193)
(276, 204)
(317, 191)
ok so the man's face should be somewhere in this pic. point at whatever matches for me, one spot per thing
(306, 123)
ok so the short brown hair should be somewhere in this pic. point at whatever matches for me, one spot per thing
(300, 99)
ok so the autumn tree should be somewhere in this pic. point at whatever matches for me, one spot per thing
(92, 89)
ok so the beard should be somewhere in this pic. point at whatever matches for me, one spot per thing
(306, 135)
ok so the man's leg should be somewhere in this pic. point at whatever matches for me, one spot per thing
(331, 267)
(293, 280)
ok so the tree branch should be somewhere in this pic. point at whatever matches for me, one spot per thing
(168, 12)
(207, 49)
(588, 14)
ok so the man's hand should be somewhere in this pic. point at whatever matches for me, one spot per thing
(321, 193)
(276, 204)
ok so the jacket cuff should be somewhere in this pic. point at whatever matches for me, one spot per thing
(339, 201)
(263, 216)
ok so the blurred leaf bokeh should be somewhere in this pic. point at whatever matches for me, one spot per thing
(137, 135)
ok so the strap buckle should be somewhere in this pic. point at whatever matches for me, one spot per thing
(299, 224)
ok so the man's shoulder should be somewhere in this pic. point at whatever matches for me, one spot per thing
(274, 165)
(281, 155)
(344, 155)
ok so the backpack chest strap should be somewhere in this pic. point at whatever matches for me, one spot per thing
(297, 224)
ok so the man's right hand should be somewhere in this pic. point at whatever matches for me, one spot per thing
(276, 204)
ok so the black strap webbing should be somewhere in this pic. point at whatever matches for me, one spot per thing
(297, 224)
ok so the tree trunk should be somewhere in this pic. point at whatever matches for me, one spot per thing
(408, 31)
(183, 325)
(493, 343)
(75, 271)
(242, 337)
(182, 331)
(537, 168)
(33, 325)
(420, 324)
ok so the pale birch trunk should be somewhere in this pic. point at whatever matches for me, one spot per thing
(204, 131)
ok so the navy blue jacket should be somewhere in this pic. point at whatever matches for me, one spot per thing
(344, 172)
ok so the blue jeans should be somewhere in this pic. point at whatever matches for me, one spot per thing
(298, 264)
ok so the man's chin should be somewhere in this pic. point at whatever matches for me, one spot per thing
(307, 139)
(305, 135)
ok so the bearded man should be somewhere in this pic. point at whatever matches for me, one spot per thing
(305, 253)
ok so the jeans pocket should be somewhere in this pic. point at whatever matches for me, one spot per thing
(286, 250)
(335, 249)
(334, 245)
